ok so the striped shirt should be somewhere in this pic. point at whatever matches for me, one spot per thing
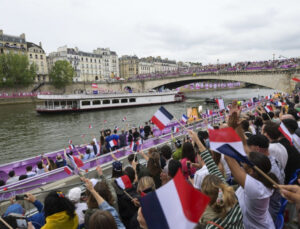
(234, 218)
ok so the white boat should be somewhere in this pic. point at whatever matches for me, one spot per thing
(84, 102)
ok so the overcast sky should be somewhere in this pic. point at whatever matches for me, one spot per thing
(190, 30)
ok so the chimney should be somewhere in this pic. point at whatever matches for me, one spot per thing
(22, 36)
(40, 44)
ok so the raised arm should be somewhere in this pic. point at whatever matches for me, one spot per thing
(206, 157)
(237, 171)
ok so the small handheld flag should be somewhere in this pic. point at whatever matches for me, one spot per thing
(184, 118)
(94, 85)
(90, 126)
(161, 118)
(282, 128)
(221, 104)
(123, 182)
(113, 143)
(175, 129)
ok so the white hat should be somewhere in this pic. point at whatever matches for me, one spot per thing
(74, 194)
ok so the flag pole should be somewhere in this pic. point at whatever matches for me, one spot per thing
(5, 223)
(265, 176)
(181, 124)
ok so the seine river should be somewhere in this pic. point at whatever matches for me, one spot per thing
(25, 133)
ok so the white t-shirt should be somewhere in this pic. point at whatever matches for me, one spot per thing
(278, 151)
(12, 180)
(79, 208)
(199, 176)
(30, 174)
(254, 202)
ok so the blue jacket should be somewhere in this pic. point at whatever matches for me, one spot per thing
(38, 219)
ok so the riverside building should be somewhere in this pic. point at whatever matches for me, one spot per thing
(101, 64)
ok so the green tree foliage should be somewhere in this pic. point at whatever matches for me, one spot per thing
(61, 74)
(16, 70)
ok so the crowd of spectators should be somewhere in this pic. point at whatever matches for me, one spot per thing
(227, 67)
(22, 94)
(240, 197)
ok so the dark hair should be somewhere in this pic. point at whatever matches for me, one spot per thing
(55, 203)
(258, 122)
(153, 164)
(39, 165)
(23, 177)
(202, 135)
(115, 131)
(271, 114)
(173, 167)
(102, 140)
(188, 151)
(102, 188)
(245, 125)
(263, 163)
(293, 112)
(258, 140)
(265, 116)
(102, 220)
(2, 182)
(166, 152)
(291, 125)
(11, 173)
(131, 157)
(271, 128)
(52, 165)
(129, 171)
(28, 168)
(87, 151)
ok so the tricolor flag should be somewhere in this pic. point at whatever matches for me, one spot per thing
(268, 108)
(139, 142)
(221, 104)
(90, 126)
(124, 119)
(278, 104)
(227, 141)
(94, 85)
(161, 118)
(175, 129)
(116, 128)
(123, 182)
(296, 79)
(282, 128)
(184, 118)
(268, 97)
(174, 205)
(252, 100)
(249, 105)
(71, 146)
(209, 112)
(113, 143)
(131, 146)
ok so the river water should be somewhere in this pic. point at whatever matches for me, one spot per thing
(25, 133)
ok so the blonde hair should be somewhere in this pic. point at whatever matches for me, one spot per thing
(222, 196)
(145, 183)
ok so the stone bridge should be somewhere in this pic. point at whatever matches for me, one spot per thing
(280, 80)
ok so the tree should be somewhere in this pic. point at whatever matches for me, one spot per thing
(16, 70)
(61, 74)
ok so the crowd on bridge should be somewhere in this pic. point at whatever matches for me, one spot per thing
(290, 63)
(11, 95)
(236, 192)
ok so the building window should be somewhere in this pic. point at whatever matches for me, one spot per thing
(115, 101)
(30, 55)
(132, 100)
(91, 60)
(95, 61)
(85, 103)
(86, 59)
(124, 100)
(36, 56)
(106, 101)
(82, 58)
(96, 102)
(41, 57)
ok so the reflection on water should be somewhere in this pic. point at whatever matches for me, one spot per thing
(25, 133)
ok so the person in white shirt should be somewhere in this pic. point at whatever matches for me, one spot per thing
(29, 171)
(255, 190)
(12, 177)
(74, 195)
(278, 151)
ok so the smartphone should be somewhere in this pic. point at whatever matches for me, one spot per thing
(20, 197)
(21, 222)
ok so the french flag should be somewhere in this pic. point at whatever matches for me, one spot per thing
(94, 85)
(278, 104)
(282, 128)
(268, 97)
(161, 118)
(221, 104)
(71, 146)
(123, 182)
(113, 143)
(124, 119)
(175, 129)
(90, 126)
(175, 205)
(184, 118)
(227, 141)
(139, 142)
(209, 112)
(132, 145)
(268, 108)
